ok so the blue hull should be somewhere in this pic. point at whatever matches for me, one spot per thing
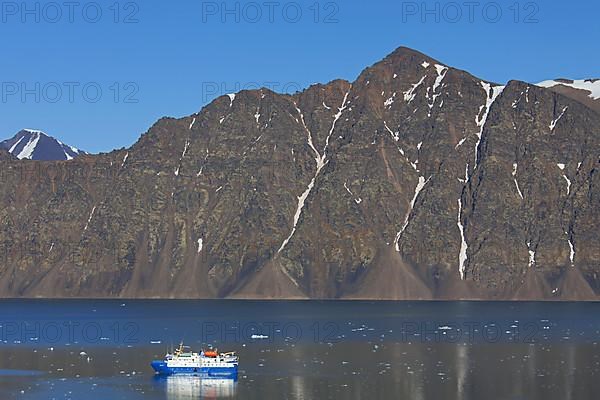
(161, 368)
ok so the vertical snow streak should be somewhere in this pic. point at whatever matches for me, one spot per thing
(309, 136)
(321, 160)
(462, 258)
(568, 184)
(203, 164)
(185, 148)
(531, 255)
(491, 94)
(395, 136)
(490, 99)
(14, 146)
(555, 121)
(301, 201)
(420, 185)
(562, 168)
(89, 219)
(572, 250)
(336, 118)
(441, 71)
(125, 159)
(514, 174)
(27, 152)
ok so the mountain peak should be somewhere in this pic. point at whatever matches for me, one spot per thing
(34, 144)
(34, 131)
(406, 54)
(403, 50)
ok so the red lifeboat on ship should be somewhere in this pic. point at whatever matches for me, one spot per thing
(210, 353)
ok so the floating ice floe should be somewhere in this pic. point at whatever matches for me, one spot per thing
(259, 337)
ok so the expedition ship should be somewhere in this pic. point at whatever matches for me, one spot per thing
(208, 363)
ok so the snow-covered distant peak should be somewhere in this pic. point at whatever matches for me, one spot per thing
(35, 131)
(589, 85)
(34, 144)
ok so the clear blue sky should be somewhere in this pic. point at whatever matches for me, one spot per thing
(180, 54)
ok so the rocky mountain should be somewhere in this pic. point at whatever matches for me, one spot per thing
(586, 91)
(415, 181)
(36, 145)
(5, 155)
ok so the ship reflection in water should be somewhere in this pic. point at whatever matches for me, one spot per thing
(195, 387)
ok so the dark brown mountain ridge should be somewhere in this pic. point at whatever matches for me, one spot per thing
(416, 181)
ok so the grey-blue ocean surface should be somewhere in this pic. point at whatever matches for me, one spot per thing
(98, 349)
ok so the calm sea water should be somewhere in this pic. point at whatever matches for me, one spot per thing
(303, 350)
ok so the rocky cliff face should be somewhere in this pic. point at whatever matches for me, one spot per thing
(416, 181)
(5, 155)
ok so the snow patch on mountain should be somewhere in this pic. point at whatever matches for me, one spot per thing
(27, 151)
(231, 99)
(410, 94)
(531, 255)
(589, 85)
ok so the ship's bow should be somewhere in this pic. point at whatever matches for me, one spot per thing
(160, 367)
